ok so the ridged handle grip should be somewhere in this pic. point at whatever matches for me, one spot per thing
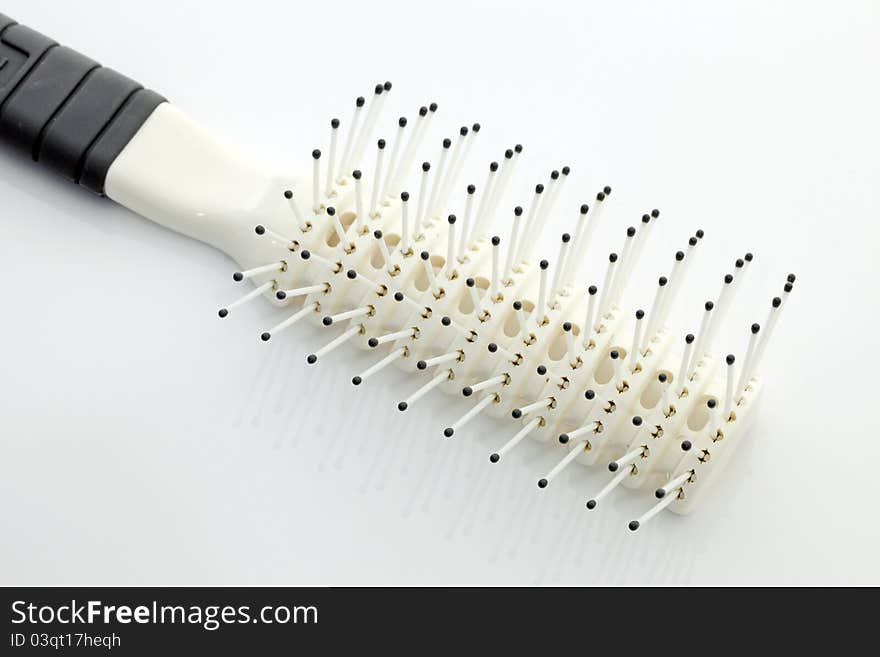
(65, 110)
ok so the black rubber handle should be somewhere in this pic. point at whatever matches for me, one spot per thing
(65, 110)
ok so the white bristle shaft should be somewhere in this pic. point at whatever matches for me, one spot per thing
(294, 318)
(387, 189)
(654, 318)
(589, 427)
(396, 335)
(443, 358)
(761, 347)
(345, 161)
(351, 314)
(340, 231)
(605, 293)
(628, 459)
(523, 320)
(488, 383)
(675, 484)
(404, 226)
(500, 187)
(373, 111)
(522, 433)
(589, 319)
(635, 350)
(450, 251)
(683, 369)
(256, 271)
(671, 292)
(253, 294)
(339, 340)
(475, 298)
(511, 247)
(525, 245)
(385, 362)
(294, 208)
(428, 387)
(535, 406)
(383, 249)
(423, 201)
(618, 285)
(729, 390)
(611, 485)
(359, 204)
(558, 280)
(496, 275)
(480, 218)
(331, 161)
(377, 181)
(654, 510)
(699, 351)
(452, 170)
(575, 451)
(540, 312)
(747, 362)
(664, 396)
(409, 153)
(316, 184)
(466, 225)
(438, 181)
(570, 350)
(579, 245)
(304, 291)
(473, 412)
(432, 278)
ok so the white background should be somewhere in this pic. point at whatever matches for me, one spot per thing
(144, 441)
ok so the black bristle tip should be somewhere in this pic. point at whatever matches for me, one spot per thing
(633, 525)
(448, 432)
(566, 238)
(281, 295)
(327, 321)
(592, 290)
(655, 213)
(544, 264)
(265, 336)
(422, 365)
(679, 255)
(334, 123)
(777, 302)
(517, 305)
(467, 391)
(433, 107)
(424, 255)
(494, 458)
(378, 89)
(517, 211)
(259, 230)
(585, 208)
(659, 493)
(606, 190)
(471, 189)
(791, 278)
(402, 406)
(749, 257)
(316, 154)
(401, 122)
(493, 167)
(404, 196)
(516, 414)
(788, 287)
(357, 380)
(508, 153)
(566, 171)
(662, 377)
(689, 338)
(612, 257)
(476, 127)
(614, 354)
(739, 263)
(591, 504)
(600, 196)
(451, 219)
(612, 467)
(542, 483)
(492, 347)
(238, 276)
(637, 421)
(373, 342)
(589, 394)
(518, 148)
(446, 321)
(692, 241)
(631, 231)
(470, 282)
(700, 234)
(640, 314)
(359, 101)
(331, 211)
(356, 174)
(686, 445)
(542, 370)
(387, 86)
(288, 194)
(426, 166)
(398, 296)
(730, 359)
(554, 175)
(463, 131)
(351, 273)
(711, 403)
(377, 234)
(662, 281)
(447, 142)
(222, 313)
(755, 328)
(566, 326)
(381, 144)
(305, 254)
(496, 240)
(311, 359)
(709, 305)
(563, 438)
(728, 279)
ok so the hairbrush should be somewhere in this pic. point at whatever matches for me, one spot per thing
(393, 253)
